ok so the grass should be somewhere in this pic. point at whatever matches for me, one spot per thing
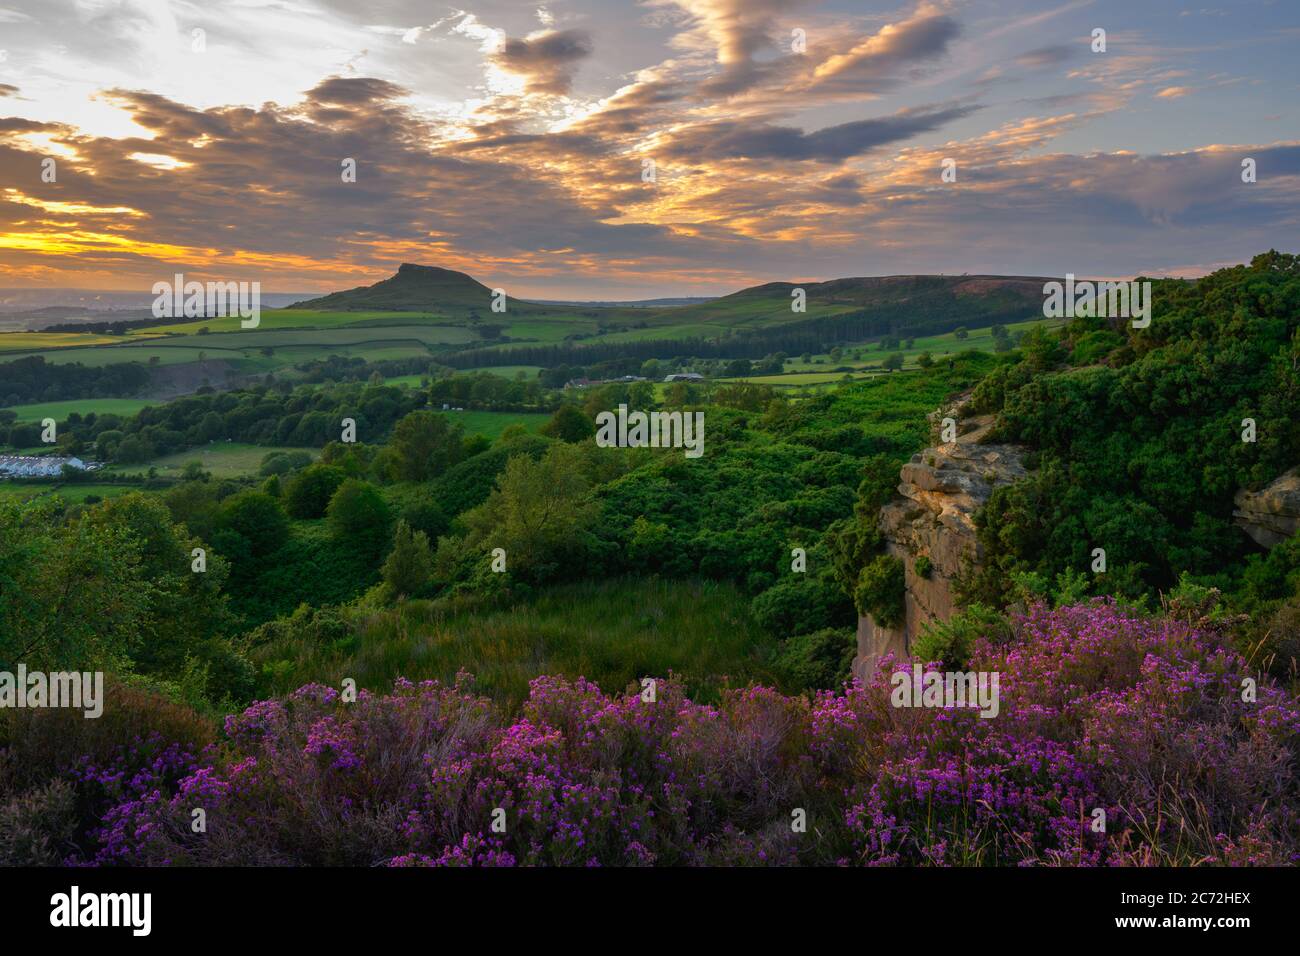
(60, 411)
(24, 341)
(74, 494)
(492, 424)
(223, 459)
(297, 319)
(612, 632)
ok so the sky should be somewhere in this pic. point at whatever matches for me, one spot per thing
(607, 149)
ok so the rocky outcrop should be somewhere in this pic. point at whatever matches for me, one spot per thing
(1272, 514)
(939, 492)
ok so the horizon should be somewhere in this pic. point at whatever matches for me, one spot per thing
(6, 307)
(790, 141)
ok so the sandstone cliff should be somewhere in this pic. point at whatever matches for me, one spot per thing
(940, 489)
(1272, 514)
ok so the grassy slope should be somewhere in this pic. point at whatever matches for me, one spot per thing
(424, 311)
(492, 424)
(59, 411)
(223, 459)
(612, 632)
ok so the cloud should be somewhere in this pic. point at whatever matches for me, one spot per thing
(485, 153)
(1173, 92)
(545, 60)
(828, 145)
(1046, 56)
(355, 91)
(872, 64)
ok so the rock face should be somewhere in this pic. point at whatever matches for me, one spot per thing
(940, 490)
(1272, 514)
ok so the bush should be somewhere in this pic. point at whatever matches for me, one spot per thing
(257, 518)
(802, 604)
(358, 514)
(409, 567)
(951, 642)
(881, 589)
(37, 829)
(1189, 772)
(309, 494)
(570, 424)
(822, 660)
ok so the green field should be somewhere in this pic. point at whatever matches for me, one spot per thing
(72, 493)
(492, 424)
(612, 632)
(24, 341)
(297, 318)
(818, 370)
(436, 310)
(223, 459)
(59, 411)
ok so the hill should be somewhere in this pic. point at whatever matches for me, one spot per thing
(417, 288)
(414, 288)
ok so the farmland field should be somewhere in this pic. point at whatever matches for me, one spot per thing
(59, 411)
(75, 494)
(27, 341)
(492, 424)
(223, 459)
(297, 319)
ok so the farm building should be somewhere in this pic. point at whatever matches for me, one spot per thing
(30, 466)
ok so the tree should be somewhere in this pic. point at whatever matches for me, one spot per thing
(474, 445)
(257, 518)
(424, 445)
(1001, 338)
(569, 424)
(925, 360)
(310, 492)
(409, 566)
(893, 362)
(540, 512)
(359, 514)
(960, 332)
(184, 607)
(73, 594)
(132, 450)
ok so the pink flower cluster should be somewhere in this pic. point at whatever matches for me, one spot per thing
(1105, 714)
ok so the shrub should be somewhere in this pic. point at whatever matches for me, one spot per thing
(309, 494)
(1100, 707)
(409, 567)
(881, 590)
(951, 641)
(818, 661)
(257, 518)
(358, 514)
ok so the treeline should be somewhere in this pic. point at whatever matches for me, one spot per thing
(795, 338)
(32, 379)
(307, 416)
(113, 327)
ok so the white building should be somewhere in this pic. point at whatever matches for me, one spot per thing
(44, 466)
